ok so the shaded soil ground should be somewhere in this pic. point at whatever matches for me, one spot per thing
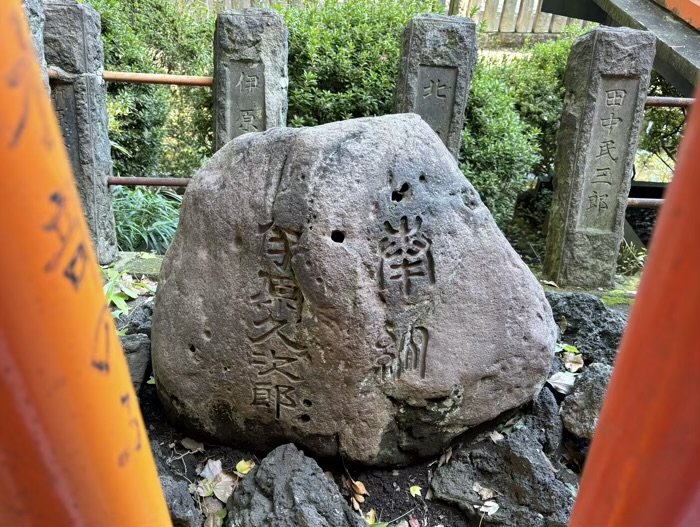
(388, 489)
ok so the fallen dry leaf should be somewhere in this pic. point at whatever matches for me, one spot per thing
(483, 492)
(489, 508)
(445, 457)
(359, 498)
(573, 362)
(243, 467)
(415, 490)
(549, 282)
(359, 488)
(562, 382)
(205, 488)
(563, 324)
(370, 517)
(211, 469)
(413, 522)
(496, 436)
(223, 486)
(192, 445)
(211, 506)
(355, 504)
(216, 519)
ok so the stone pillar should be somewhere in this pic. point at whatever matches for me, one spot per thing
(250, 73)
(607, 78)
(438, 57)
(74, 49)
(34, 10)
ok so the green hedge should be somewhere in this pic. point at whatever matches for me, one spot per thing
(157, 130)
(344, 58)
(498, 148)
(343, 63)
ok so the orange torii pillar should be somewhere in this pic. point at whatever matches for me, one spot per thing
(73, 448)
(644, 466)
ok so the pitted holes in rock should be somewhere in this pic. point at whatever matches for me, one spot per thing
(305, 418)
(337, 236)
(403, 192)
(206, 334)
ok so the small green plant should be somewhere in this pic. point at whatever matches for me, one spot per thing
(630, 260)
(146, 219)
(119, 288)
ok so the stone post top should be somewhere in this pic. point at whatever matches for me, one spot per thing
(621, 32)
(251, 11)
(455, 20)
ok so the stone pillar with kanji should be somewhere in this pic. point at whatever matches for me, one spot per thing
(73, 47)
(34, 11)
(438, 57)
(606, 82)
(250, 73)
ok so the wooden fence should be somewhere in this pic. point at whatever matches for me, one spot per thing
(513, 16)
(516, 17)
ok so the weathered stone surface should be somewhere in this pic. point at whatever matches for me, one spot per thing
(289, 489)
(137, 348)
(678, 47)
(437, 64)
(74, 48)
(516, 469)
(345, 288)
(183, 510)
(580, 410)
(139, 264)
(34, 10)
(250, 73)
(607, 78)
(591, 326)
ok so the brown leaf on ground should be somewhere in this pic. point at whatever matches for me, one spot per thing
(359, 488)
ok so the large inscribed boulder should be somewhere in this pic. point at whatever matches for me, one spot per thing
(345, 288)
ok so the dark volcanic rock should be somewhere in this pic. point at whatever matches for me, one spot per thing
(591, 326)
(525, 484)
(643, 222)
(137, 349)
(289, 489)
(140, 316)
(580, 410)
(545, 421)
(183, 511)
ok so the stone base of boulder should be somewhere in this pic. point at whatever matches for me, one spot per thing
(289, 489)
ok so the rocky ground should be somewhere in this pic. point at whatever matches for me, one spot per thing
(519, 469)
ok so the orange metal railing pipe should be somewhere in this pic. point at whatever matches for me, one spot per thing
(643, 468)
(73, 448)
(148, 78)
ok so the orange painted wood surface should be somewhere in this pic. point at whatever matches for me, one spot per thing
(73, 448)
(688, 10)
(644, 465)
